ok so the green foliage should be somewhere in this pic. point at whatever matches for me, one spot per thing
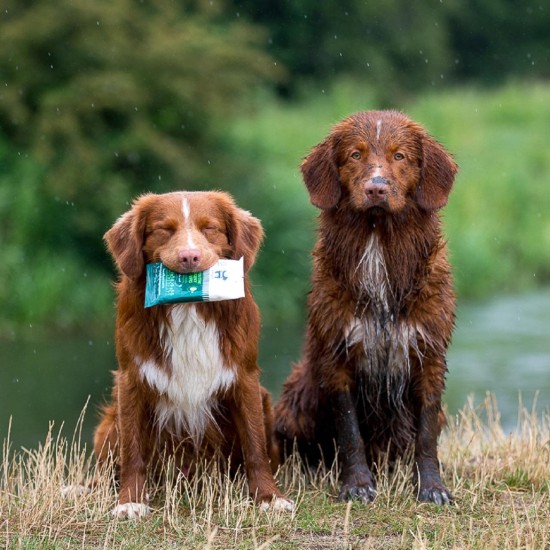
(399, 48)
(42, 282)
(498, 230)
(115, 98)
(495, 221)
(101, 101)
(498, 233)
(496, 39)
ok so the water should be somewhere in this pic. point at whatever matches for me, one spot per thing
(502, 346)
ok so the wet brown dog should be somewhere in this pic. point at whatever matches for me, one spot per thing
(381, 310)
(188, 382)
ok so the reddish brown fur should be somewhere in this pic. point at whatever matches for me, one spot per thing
(381, 310)
(156, 229)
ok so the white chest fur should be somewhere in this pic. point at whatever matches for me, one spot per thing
(197, 371)
(386, 340)
(373, 275)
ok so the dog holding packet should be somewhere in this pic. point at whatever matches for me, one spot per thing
(223, 281)
(187, 332)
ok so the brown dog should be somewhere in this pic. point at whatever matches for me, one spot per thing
(188, 380)
(381, 310)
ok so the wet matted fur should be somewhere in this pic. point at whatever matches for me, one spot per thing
(381, 308)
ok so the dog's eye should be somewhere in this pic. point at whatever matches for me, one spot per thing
(210, 231)
(399, 156)
(356, 155)
(163, 231)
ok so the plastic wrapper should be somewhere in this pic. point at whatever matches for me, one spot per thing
(223, 281)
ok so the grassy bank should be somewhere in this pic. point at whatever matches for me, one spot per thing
(500, 482)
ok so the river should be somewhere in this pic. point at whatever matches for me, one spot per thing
(501, 346)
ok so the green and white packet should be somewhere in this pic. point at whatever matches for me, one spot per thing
(223, 281)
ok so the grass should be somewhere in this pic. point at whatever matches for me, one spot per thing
(500, 482)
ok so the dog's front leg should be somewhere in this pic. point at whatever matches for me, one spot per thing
(247, 412)
(132, 501)
(356, 477)
(428, 480)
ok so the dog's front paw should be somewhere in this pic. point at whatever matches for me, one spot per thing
(363, 493)
(278, 504)
(437, 494)
(130, 510)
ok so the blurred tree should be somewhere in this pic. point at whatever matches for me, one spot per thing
(496, 39)
(398, 47)
(102, 100)
(113, 98)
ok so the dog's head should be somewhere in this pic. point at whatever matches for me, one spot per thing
(383, 161)
(186, 231)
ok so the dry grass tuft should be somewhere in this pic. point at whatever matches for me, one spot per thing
(500, 482)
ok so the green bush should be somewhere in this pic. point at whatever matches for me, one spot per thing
(112, 99)
(496, 222)
(496, 219)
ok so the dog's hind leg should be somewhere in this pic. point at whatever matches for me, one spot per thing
(272, 446)
(106, 435)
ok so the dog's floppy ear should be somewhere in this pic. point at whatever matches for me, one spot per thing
(125, 242)
(320, 173)
(437, 175)
(245, 236)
